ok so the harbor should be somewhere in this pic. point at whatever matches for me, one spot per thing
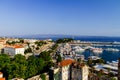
(109, 51)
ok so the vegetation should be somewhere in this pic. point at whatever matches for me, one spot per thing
(59, 58)
(91, 62)
(14, 42)
(43, 77)
(40, 43)
(64, 40)
(21, 68)
(28, 50)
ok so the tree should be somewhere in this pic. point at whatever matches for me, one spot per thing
(35, 66)
(45, 56)
(4, 60)
(19, 59)
(64, 40)
(59, 58)
(43, 77)
(37, 48)
(21, 40)
(113, 78)
(28, 50)
(89, 62)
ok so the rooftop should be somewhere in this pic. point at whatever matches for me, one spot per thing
(2, 78)
(15, 46)
(66, 62)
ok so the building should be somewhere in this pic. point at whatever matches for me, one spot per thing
(69, 70)
(65, 67)
(119, 69)
(54, 73)
(13, 50)
(79, 71)
(1, 76)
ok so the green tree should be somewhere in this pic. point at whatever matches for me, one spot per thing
(21, 40)
(4, 60)
(43, 77)
(59, 58)
(89, 62)
(45, 56)
(113, 78)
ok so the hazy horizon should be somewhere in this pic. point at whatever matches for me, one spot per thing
(68, 17)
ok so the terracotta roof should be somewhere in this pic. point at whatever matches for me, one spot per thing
(1, 73)
(15, 46)
(2, 78)
(66, 62)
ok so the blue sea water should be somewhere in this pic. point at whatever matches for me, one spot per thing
(107, 56)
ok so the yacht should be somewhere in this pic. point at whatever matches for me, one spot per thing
(78, 49)
(112, 49)
(97, 50)
(94, 57)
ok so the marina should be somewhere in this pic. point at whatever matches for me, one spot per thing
(109, 51)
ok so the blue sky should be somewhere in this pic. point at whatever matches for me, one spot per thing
(71, 17)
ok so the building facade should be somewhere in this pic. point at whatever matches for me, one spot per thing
(79, 71)
(13, 50)
(69, 70)
(119, 69)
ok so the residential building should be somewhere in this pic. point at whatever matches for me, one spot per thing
(65, 67)
(13, 50)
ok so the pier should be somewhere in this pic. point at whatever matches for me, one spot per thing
(92, 43)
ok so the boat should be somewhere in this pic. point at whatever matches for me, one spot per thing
(78, 49)
(112, 49)
(94, 57)
(97, 50)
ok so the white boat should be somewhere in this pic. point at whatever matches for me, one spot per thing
(112, 49)
(97, 50)
(78, 49)
(94, 57)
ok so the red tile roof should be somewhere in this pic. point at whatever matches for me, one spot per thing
(2, 78)
(66, 62)
(15, 46)
(1, 73)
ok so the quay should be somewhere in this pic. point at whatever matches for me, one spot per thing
(83, 43)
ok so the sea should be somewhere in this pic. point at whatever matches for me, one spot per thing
(106, 55)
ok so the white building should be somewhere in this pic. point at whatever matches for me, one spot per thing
(13, 50)
(65, 69)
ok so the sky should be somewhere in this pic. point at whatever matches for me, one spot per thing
(68, 17)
